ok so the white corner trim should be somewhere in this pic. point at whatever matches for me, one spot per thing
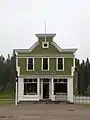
(16, 61)
(57, 64)
(16, 53)
(18, 70)
(74, 62)
(72, 71)
(45, 43)
(42, 64)
(33, 64)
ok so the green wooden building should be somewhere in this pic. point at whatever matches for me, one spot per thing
(45, 71)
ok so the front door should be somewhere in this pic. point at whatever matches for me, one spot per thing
(45, 90)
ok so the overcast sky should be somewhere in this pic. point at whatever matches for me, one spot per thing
(21, 19)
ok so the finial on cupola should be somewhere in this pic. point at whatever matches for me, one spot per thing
(45, 30)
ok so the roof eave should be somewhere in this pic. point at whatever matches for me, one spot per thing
(69, 50)
(47, 35)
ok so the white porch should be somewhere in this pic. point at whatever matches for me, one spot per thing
(40, 90)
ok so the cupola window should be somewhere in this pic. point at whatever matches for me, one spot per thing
(45, 44)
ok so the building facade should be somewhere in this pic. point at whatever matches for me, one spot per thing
(45, 70)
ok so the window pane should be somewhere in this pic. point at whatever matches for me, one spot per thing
(45, 60)
(45, 63)
(60, 60)
(30, 63)
(30, 60)
(30, 80)
(30, 88)
(60, 63)
(30, 66)
(60, 66)
(45, 44)
(60, 88)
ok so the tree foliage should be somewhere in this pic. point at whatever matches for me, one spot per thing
(84, 76)
(7, 70)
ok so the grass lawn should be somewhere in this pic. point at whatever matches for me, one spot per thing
(6, 98)
(87, 105)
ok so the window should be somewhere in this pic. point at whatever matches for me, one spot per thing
(45, 64)
(30, 86)
(45, 44)
(30, 64)
(60, 86)
(60, 63)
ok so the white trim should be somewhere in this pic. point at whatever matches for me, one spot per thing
(70, 90)
(16, 95)
(47, 76)
(18, 70)
(57, 64)
(38, 87)
(33, 63)
(43, 56)
(47, 35)
(45, 43)
(73, 67)
(16, 53)
(33, 47)
(56, 46)
(72, 71)
(74, 62)
(52, 82)
(42, 64)
(16, 61)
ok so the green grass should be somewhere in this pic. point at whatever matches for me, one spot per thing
(4, 102)
(87, 105)
(7, 95)
(6, 98)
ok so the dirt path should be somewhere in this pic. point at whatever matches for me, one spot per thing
(44, 112)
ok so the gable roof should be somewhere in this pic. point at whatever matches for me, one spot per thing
(73, 50)
(64, 50)
(27, 50)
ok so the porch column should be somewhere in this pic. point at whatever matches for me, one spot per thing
(20, 88)
(38, 87)
(70, 90)
(52, 81)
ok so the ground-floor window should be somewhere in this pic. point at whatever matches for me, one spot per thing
(60, 86)
(30, 86)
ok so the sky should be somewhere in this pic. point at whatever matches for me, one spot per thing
(69, 19)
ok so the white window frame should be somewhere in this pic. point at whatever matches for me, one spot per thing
(33, 64)
(42, 64)
(57, 64)
(45, 43)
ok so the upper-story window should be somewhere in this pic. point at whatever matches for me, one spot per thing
(30, 64)
(45, 44)
(60, 64)
(45, 64)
